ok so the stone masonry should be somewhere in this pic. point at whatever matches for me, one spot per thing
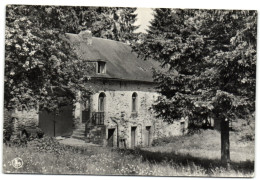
(119, 115)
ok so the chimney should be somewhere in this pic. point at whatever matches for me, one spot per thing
(86, 36)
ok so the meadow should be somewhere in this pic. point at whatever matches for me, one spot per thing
(194, 155)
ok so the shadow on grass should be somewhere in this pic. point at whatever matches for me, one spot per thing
(186, 159)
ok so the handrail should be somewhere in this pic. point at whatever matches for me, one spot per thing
(98, 118)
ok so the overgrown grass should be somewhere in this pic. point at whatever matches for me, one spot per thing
(44, 157)
(207, 145)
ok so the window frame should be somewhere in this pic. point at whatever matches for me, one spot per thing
(134, 101)
(101, 67)
(103, 96)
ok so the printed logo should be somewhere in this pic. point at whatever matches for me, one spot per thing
(17, 163)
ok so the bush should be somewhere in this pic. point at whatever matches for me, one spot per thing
(47, 144)
(18, 141)
(51, 145)
(7, 135)
(22, 138)
(31, 133)
(8, 126)
(164, 140)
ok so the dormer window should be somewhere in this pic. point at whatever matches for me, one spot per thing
(101, 67)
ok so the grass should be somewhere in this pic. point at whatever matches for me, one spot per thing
(207, 145)
(167, 160)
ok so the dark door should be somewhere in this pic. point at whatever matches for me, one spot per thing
(110, 142)
(147, 135)
(85, 116)
(85, 111)
(133, 131)
(57, 125)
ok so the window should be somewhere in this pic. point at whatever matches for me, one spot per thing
(101, 102)
(99, 117)
(101, 67)
(134, 102)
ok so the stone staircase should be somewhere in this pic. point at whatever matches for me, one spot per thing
(79, 132)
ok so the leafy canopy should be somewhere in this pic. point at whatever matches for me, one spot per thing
(208, 59)
(40, 64)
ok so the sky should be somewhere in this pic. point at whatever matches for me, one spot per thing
(144, 15)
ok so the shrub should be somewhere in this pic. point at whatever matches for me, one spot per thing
(51, 145)
(163, 140)
(8, 126)
(18, 141)
(7, 135)
(31, 133)
(47, 144)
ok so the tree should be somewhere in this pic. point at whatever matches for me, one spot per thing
(209, 65)
(40, 65)
(38, 61)
(110, 22)
(116, 23)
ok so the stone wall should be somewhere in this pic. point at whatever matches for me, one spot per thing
(24, 119)
(118, 110)
(77, 113)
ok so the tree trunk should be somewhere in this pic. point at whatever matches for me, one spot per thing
(225, 152)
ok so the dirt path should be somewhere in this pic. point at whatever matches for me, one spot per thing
(76, 142)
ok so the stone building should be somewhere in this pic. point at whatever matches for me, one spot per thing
(119, 111)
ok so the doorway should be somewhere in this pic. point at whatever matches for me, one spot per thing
(86, 110)
(57, 125)
(147, 135)
(110, 139)
(133, 137)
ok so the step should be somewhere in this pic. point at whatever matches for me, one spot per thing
(79, 137)
(83, 135)
(79, 133)
(79, 130)
(81, 126)
(90, 127)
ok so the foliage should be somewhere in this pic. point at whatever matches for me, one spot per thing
(40, 66)
(8, 126)
(17, 141)
(22, 137)
(116, 23)
(102, 161)
(208, 57)
(7, 133)
(161, 141)
(39, 63)
(206, 144)
(209, 61)
(47, 145)
(245, 129)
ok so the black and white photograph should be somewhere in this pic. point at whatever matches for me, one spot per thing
(129, 91)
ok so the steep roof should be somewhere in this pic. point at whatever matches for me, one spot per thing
(121, 62)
